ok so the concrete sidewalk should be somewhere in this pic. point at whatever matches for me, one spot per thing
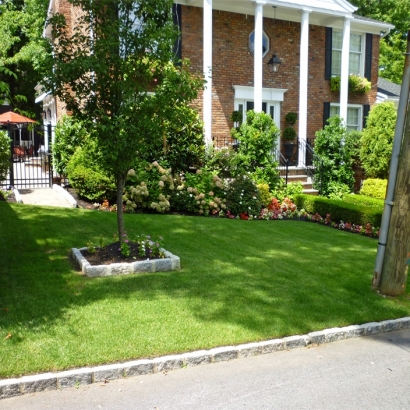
(56, 196)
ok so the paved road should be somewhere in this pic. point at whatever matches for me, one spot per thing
(370, 372)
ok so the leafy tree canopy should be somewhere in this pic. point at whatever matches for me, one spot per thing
(393, 46)
(114, 71)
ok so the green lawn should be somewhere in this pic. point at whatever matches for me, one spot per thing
(240, 281)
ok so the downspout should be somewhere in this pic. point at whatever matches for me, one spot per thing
(394, 163)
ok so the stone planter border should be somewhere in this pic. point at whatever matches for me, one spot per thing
(169, 263)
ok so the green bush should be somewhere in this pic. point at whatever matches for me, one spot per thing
(377, 140)
(87, 177)
(340, 210)
(375, 188)
(257, 138)
(336, 157)
(69, 134)
(4, 154)
(283, 190)
(243, 197)
(364, 201)
(357, 84)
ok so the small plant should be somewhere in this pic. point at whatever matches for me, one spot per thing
(291, 118)
(90, 247)
(237, 118)
(150, 249)
(124, 246)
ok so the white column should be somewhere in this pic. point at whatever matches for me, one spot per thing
(258, 53)
(344, 76)
(303, 84)
(207, 57)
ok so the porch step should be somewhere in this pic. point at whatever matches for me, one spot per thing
(296, 174)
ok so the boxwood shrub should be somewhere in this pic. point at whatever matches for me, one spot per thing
(340, 210)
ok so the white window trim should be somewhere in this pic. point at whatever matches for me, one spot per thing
(268, 45)
(363, 52)
(359, 106)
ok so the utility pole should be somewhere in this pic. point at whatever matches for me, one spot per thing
(396, 258)
(393, 254)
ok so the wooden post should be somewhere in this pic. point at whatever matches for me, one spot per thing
(396, 259)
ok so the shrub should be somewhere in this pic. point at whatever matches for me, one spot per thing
(336, 157)
(340, 210)
(220, 160)
(242, 197)
(337, 190)
(364, 201)
(4, 154)
(375, 188)
(264, 194)
(282, 191)
(87, 177)
(69, 134)
(377, 140)
(289, 134)
(257, 140)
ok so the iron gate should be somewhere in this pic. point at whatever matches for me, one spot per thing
(30, 158)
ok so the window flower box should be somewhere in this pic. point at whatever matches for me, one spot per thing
(357, 84)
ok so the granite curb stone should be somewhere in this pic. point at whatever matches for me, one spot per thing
(71, 378)
(169, 263)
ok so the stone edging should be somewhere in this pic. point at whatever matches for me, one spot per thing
(169, 263)
(66, 195)
(77, 377)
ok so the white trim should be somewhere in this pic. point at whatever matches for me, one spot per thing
(303, 83)
(344, 75)
(207, 69)
(243, 92)
(41, 97)
(258, 59)
(358, 106)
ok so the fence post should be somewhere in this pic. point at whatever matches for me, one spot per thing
(11, 156)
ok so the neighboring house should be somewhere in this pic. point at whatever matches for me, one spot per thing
(232, 41)
(388, 91)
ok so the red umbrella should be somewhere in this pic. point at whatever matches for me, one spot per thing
(14, 118)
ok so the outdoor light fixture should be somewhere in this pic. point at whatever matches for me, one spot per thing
(274, 63)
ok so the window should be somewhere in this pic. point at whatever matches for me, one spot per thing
(354, 116)
(265, 43)
(355, 55)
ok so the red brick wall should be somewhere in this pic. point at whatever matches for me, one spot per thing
(233, 65)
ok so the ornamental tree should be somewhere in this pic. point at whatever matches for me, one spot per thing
(114, 70)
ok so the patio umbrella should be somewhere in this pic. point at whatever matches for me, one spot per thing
(11, 117)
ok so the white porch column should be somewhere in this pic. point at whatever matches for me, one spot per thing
(344, 75)
(258, 70)
(303, 84)
(207, 57)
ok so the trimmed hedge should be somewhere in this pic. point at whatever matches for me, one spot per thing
(364, 201)
(340, 210)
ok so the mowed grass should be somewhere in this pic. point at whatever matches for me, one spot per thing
(240, 281)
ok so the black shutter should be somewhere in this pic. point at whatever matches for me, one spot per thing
(368, 57)
(326, 113)
(328, 53)
(366, 109)
(177, 17)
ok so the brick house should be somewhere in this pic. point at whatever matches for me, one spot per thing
(232, 41)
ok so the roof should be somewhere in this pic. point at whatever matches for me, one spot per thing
(388, 88)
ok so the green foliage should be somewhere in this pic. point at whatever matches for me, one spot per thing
(283, 190)
(374, 188)
(337, 190)
(291, 118)
(357, 84)
(87, 177)
(336, 156)
(221, 160)
(264, 194)
(257, 140)
(289, 134)
(340, 210)
(243, 197)
(364, 201)
(4, 154)
(69, 134)
(377, 140)
(183, 145)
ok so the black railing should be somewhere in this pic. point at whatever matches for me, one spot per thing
(312, 164)
(283, 165)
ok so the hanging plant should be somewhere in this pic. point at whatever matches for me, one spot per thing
(357, 84)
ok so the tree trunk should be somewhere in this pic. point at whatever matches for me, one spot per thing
(120, 180)
(397, 256)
